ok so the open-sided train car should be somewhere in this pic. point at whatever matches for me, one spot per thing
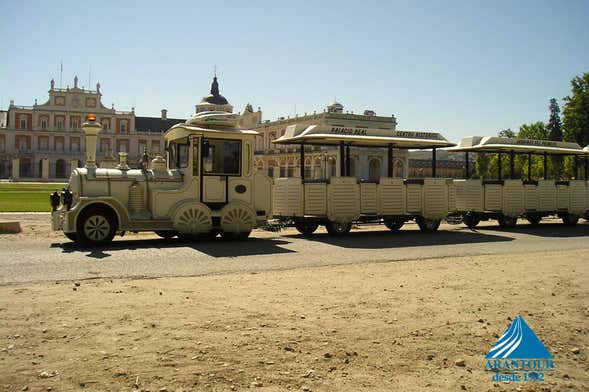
(507, 199)
(342, 200)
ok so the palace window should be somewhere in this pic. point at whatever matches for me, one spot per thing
(23, 123)
(75, 123)
(59, 123)
(43, 123)
(123, 127)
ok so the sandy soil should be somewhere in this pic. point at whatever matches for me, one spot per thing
(383, 327)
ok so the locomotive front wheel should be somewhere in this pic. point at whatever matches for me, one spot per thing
(96, 226)
(428, 225)
(338, 229)
(305, 227)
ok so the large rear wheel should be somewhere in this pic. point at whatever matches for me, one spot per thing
(338, 229)
(96, 226)
(305, 226)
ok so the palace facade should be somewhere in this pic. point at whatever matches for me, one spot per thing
(45, 141)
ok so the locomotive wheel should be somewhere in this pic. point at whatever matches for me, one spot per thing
(570, 219)
(507, 222)
(71, 236)
(166, 234)
(428, 225)
(471, 220)
(534, 219)
(192, 218)
(338, 229)
(237, 218)
(96, 226)
(393, 225)
(306, 227)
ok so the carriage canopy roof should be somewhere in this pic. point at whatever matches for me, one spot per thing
(361, 137)
(501, 144)
(179, 131)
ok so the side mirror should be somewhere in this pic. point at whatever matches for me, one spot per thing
(205, 149)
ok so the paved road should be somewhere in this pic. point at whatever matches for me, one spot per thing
(50, 259)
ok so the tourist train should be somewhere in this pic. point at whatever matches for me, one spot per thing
(207, 186)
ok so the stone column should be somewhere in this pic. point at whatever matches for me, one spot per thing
(15, 168)
(45, 168)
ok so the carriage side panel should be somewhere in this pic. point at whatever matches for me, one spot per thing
(546, 195)
(316, 199)
(435, 198)
(343, 199)
(513, 197)
(391, 197)
(368, 203)
(288, 197)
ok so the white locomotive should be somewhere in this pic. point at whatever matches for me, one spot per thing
(205, 187)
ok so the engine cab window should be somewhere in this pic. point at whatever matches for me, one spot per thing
(178, 154)
(222, 157)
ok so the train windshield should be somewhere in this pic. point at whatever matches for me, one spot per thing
(178, 154)
(222, 157)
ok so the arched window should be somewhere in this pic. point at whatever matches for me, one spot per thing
(60, 168)
(374, 169)
(43, 123)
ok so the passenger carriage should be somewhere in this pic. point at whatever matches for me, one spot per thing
(507, 199)
(340, 201)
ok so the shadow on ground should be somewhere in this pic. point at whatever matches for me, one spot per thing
(215, 248)
(404, 238)
(553, 229)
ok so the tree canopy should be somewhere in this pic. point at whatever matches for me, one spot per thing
(576, 111)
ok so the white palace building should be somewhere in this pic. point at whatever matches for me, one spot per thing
(44, 142)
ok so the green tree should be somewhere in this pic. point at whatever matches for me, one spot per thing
(555, 133)
(535, 130)
(576, 111)
(507, 133)
(482, 165)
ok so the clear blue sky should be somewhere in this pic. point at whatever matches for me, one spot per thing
(461, 68)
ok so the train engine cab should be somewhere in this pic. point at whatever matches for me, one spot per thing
(205, 186)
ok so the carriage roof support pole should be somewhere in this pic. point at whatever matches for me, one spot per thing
(576, 161)
(545, 166)
(302, 161)
(434, 162)
(342, 163)
(499, 166)
(390, 160)
(586, 167)
(467, 166)
(348, 160)
(512, 165)
(530, 166)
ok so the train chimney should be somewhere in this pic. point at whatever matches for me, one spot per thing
(164, 114)
(91, 129)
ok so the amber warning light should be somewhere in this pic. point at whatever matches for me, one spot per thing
(91, 117)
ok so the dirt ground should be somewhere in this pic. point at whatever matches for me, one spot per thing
(381, 327)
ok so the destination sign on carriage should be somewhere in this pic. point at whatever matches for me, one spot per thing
(330, 135)
(501, 144)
